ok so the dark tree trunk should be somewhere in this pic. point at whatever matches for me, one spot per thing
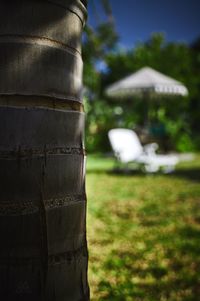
(43, 251)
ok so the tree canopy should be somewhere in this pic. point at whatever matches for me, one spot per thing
(179, 116)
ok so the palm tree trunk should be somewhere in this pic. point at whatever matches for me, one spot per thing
(43, 251)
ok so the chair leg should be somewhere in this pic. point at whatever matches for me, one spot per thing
(168, 169)
(150, 168)
(117, 164)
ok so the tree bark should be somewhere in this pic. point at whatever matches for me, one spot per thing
(43, 251)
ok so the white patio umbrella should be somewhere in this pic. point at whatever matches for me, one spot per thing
(146, 81)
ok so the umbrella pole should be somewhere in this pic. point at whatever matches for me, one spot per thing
(146, 98)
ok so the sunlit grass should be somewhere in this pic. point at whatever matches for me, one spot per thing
(143, 233)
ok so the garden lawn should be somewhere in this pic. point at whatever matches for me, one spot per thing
(143, 233)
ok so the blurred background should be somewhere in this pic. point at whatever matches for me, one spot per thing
(143, 228)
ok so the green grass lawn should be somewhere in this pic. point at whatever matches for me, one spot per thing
(143, 233)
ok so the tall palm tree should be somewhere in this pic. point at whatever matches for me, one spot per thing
(43, 251)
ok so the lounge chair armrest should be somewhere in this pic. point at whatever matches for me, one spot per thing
(150, 148)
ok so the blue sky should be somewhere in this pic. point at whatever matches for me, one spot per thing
(137, 20)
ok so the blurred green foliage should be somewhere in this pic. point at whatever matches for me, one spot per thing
(105, 64)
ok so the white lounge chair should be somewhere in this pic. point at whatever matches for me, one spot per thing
(127, 148)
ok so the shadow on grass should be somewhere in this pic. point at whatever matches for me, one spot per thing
(117, 172)
(151, 246)
(192, 174)
(165, 268)
(134, 276)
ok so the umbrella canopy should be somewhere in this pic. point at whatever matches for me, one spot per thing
(146, 80)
